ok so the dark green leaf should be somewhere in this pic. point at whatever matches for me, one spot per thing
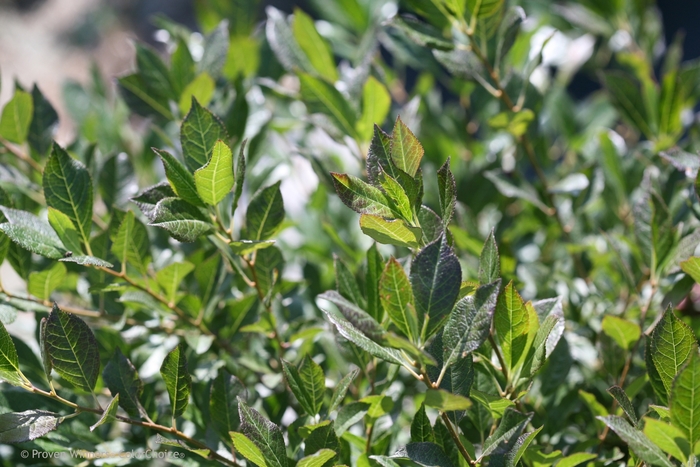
(223, 402)
(489, 261)
(148, 198)
(321, 97)
(264, 434)
(341, 389)
(182, 220)
(621, 397)
(672, 344)
(26, 426)
(177, 379)
(685, 399)
(181, 180)
(421, 429)
(9, 362)
(425, 454)
(323, 437)
(265, 213)
(44, 122)
(397, 299)
(406, 150)
(637, 441)
(447, 191)
(199, 132)
(121, 378)
(348, 415)
(375, 266)
(512, 424)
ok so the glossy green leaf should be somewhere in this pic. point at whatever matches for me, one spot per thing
(421, 429)
(181, 180)
(446, 401)
(489, 261)
(265, 213)
(68, 188)
(447, 192)
(121, 378)
(512, 324)
(72, 349)
(199, 132)
(406, 150)
(109, 413)
(16, 117)
(9, 362)
(43, 124)
(182, 220)
(376, 102)
(130, 243)
(435, 277)
(31, 233)
(223, 402)
(669, 438)
(685, 399)
(215, 180)
(177, 380)
(672, 344)
(264, 434)
(66, 231)
(308, 384)
(341, 389)
(397, 299)
(642, 446)
(390, 232)
(623, 400)
(361, 197)
(321, 97)
(314, 46)
(248, 449)
(42, 283)
(625, 333)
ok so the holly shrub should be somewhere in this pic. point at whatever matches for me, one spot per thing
(390, 235)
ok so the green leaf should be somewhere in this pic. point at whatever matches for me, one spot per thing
(314, 46)
(65, 230)
(576, 459)
(508, 31)
(361, 197)
(42, 283)
(177, 380)
(637, 441)
(446, 401)
(215, 180)
(199, 132)
(9, 362)
(496, 405)
(435, 277)
(346, 284)
(627, 97)
(512, 325)
(246, 247)
(421, 33)
(323, 437)
(215, 52)
(469, 323)
(223, 402)
(318, 459)
(670, 439)
(390, 232)
(348, 415)
(265, 213)
(19, 427)
(148, 198)
(283, 43)
(308, 384)
(421, 429)
(621, 397)
(68, 188)
(672, 344)
(507, 188)
(425, 454)
(72, 349)
(341, 389)
(170, 278)
(397, 299)
(121, 378)
(16, 116)
(142, 98)
(130, 243)
(447, 192)
(625, 333)
(321, 97)
(359, 318)
(86, 260)
(400, 203)
(200, 88)
(154, 71)
(182, 220)
(691, 266)
(44, 122)
(239, 178)
(181, 180)
(655, 380)
(373, 273)
(508, 431)
(537, 353)
(685, 399)
(264, 434)
(489, 261)
(181, 69)
(248, 449)
(376, 102)
(406, 150)
(32, 233)
(44, 350)
(109, 413)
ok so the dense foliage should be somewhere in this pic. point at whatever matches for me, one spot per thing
(519, 286)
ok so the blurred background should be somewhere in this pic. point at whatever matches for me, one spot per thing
(52, 42)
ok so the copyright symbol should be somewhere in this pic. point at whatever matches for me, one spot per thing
(24, 454)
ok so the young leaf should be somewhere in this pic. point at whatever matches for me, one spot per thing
(323, 437)
(215, 180)
(346, 283)
(44, 122)
(621, 397)
(672, 344)
(397, 299)
(318, 459)
(239, 178)
(148, 198)
(373, 272)
(435, 277)
(201, 88)
(637, 441)
(177, 380)
(575, 459)
(65, 230)
(42, 283)
(348, 415)
(469, 323)
(182, 220)
(248, 449)
(321, 97)
(489, 261)
(406, 150)
(421, 429)
(68, 188)
(670, 439)
(223, 402)
(130, 243)
(121, 378)
(376, 102)
(447, 192)
(341, 389)
(171, 276)
(154, 71)
(512, 325)
(109, 413)
(265, 213)
(361, 197)
(19, 427)
(43, 350)
(685, 399)
(14, 123)
(72, 349)
(200, 131)
(625, 333)
(308, 384)
(314, 46)
(283, 43)
(390, 232)
(446, 401)
(400, 203)
(9, 362)
(32, 233)
(181, 180)
(512, 424)
(264, 434)
(246, 247)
